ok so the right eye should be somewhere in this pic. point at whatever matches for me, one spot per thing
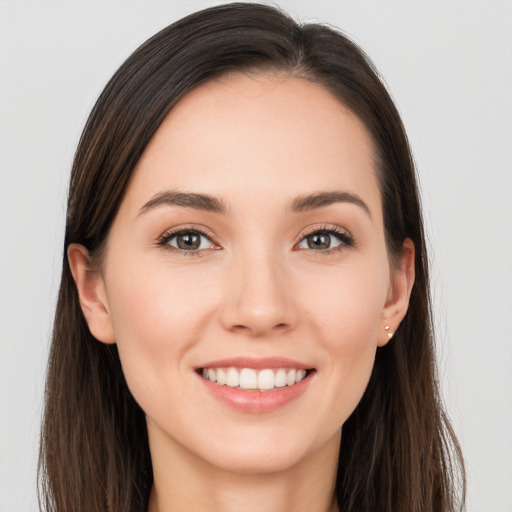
(327, 240)
(187, 240)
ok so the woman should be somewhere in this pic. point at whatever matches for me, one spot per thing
(243, 320)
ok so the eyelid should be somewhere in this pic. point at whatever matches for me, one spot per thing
(343, 234)
(169, 234)
(345, 237)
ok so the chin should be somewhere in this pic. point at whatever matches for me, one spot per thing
(266, 451)
(248, 461)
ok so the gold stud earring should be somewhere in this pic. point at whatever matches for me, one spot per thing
(390, 334)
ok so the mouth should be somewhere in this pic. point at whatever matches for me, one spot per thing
(252, 379)
(257, 385)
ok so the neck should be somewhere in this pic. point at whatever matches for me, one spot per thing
(183, 482)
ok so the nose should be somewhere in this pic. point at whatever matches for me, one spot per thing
(258, 297)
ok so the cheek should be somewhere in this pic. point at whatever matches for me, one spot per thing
(348, 308)
(155, 304)
(346, 317)
(157, 316)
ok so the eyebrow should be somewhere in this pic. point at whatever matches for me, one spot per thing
(321, 199)
(213, 204)
(203, 202)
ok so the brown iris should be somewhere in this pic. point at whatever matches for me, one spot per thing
(318, 241)
(188, 241)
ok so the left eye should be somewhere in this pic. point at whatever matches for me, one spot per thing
(189, 241)
(321, 241)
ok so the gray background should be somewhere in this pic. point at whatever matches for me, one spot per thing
(449, 67)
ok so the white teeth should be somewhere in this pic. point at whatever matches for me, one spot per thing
(266, 379)
(221, 376)
(233, 378)
(280, 379)
(249, 378)
(290, 377)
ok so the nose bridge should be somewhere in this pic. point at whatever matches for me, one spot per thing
(257, 296)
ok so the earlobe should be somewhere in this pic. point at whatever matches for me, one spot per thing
(91, 293)
(397, 303)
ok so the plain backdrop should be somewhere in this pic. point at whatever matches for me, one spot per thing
(448, 65)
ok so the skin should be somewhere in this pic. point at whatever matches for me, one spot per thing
(255, 289)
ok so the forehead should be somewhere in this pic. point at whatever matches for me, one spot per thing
(240, 136)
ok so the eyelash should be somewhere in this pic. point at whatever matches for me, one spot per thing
(164, 240)
(345, 238)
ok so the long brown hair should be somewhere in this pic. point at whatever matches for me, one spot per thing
(398, 452)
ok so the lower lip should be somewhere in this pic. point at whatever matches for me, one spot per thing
(257, 401)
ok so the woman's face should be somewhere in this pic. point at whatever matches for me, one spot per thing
(249, 249)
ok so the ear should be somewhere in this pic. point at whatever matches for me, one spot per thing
(397, 302)
(91, 293)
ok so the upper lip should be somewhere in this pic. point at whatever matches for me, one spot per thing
(256, 363)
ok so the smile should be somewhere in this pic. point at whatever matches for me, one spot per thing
(264, 379)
